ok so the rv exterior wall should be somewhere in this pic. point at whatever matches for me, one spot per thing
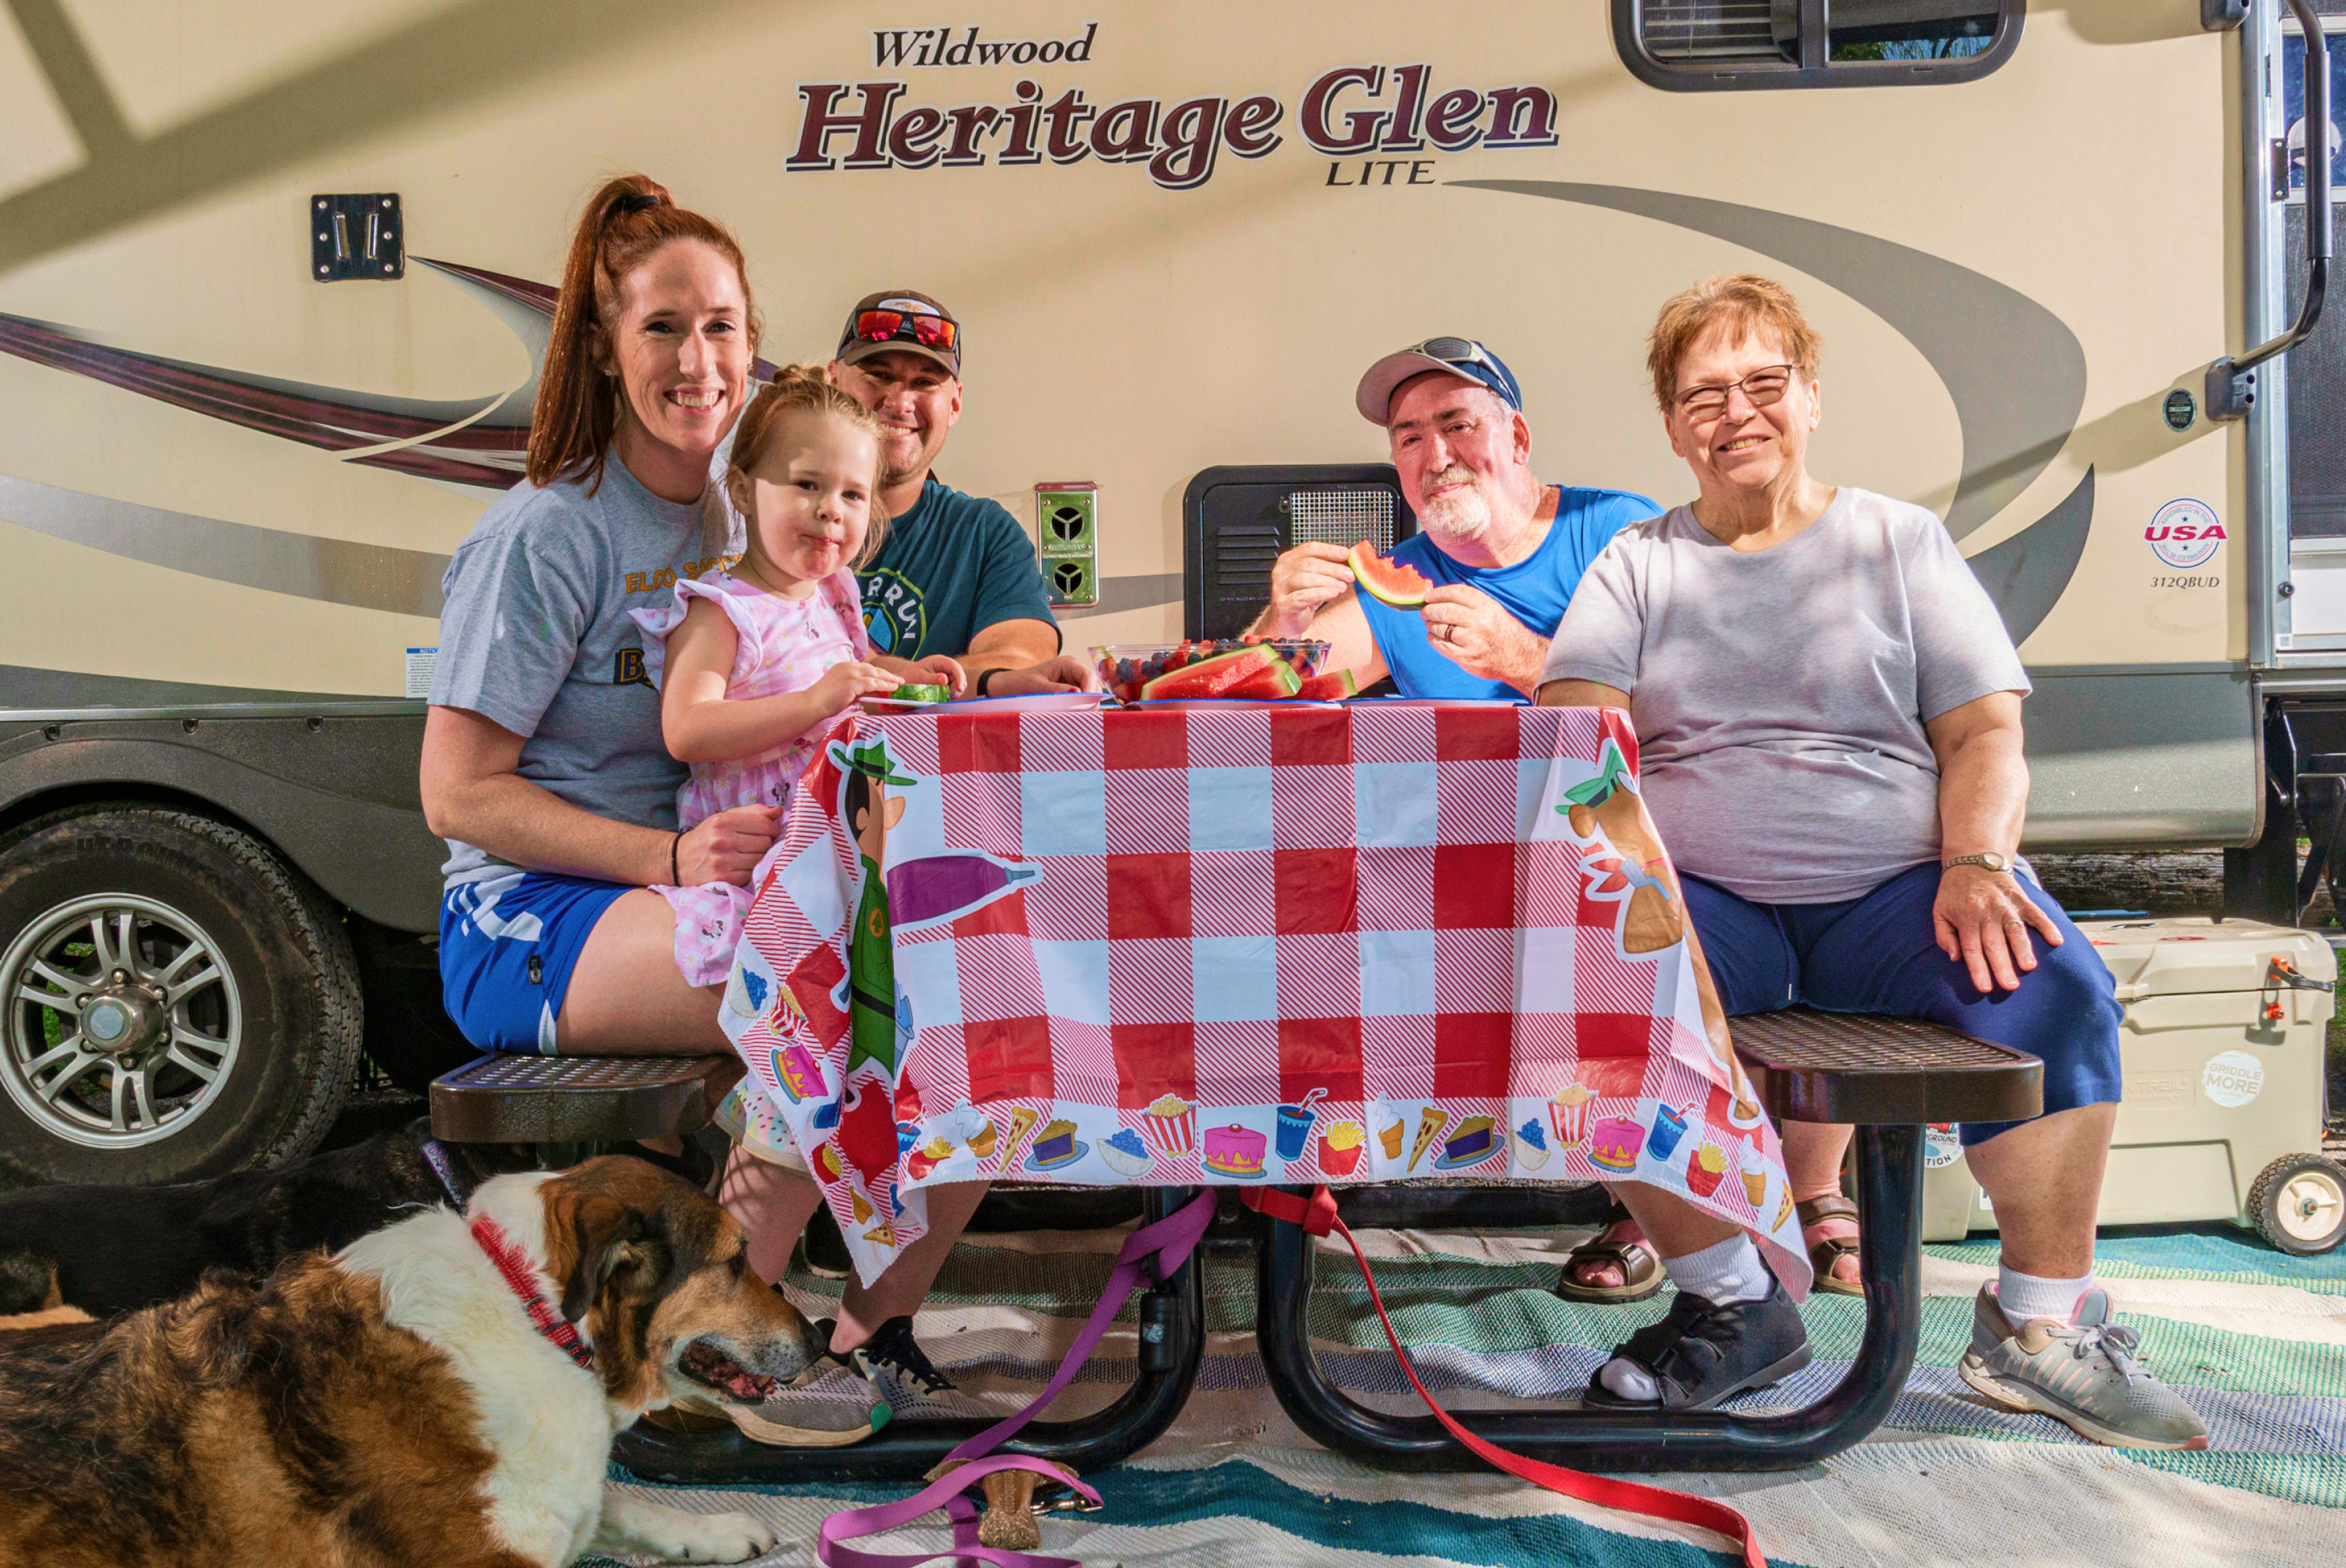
(2012, 275)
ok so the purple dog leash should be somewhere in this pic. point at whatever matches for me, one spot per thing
(1166, 1244)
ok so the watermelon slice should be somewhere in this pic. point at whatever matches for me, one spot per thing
(1388, 581)
(1273, 685)
(1210, 677)
(1334, 687)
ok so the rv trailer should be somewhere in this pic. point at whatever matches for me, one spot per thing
(274, 281)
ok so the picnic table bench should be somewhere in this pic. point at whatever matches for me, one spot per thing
(1889, 1077)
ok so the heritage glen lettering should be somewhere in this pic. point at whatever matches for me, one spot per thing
(1352, 111)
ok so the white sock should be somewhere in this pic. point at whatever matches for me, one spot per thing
(2025, 1297)
(1724, 1273)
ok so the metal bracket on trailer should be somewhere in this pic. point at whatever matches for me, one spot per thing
(2231, 389)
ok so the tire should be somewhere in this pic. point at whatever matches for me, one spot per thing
(226, 1042)
(2299, 1203)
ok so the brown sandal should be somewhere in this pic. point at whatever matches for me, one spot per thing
(1641, 1271)
(1825, 1251)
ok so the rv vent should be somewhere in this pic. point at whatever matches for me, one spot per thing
(1719, 29)
(1236, 521)
(1342, 517)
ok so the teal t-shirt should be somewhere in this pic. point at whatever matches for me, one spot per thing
(952, 566)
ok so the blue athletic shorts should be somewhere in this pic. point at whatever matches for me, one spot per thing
(507, 945)
(1878, 954)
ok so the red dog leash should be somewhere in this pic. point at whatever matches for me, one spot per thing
(1318, 1217)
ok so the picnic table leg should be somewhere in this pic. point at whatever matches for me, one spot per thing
(1889, 1200)
(904, 1450)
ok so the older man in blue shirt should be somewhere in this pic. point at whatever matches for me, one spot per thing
(1503, 550)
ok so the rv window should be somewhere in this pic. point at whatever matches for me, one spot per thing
(1702, 46)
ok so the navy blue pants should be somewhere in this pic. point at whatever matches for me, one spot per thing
(1877, 954)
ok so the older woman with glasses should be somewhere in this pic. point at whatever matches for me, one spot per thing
(1828, 713)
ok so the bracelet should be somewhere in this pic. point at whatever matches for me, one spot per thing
(984, 677)
(674, 877)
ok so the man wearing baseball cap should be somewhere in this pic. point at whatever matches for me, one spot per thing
(957, 575)
(1503, 550)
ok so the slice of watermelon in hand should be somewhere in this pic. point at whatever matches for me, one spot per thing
(1388, 581)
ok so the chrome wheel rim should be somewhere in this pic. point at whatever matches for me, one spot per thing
(2311, 1205)
(123, 1021)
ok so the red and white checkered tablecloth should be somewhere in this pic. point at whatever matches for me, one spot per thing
(1235, 943)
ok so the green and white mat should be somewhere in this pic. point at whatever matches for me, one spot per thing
(2255, 1340)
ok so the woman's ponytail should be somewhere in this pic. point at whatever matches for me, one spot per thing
(627, 221)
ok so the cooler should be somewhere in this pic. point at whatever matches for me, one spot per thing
(2226, 1023)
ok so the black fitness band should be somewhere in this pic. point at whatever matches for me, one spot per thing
(675, 878)
(984, 676)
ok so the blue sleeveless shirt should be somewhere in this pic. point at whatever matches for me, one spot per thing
(1533, 590)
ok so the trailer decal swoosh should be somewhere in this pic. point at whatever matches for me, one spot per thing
(2026, 574)
(2016, 370)
(336, 571)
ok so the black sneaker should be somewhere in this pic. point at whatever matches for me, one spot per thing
(1701, 1353)
(895, 1366)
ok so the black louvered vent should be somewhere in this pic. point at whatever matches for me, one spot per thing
(1237, 521)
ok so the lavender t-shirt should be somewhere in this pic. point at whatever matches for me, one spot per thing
(1779, 696)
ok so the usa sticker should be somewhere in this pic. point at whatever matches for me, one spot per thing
(2185, 533)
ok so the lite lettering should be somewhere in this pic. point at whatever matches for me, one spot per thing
(1419, 171)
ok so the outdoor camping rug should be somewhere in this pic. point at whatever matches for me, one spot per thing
(1233, 943)
(2256, 1340)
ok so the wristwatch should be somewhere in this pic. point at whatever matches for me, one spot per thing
(1986, 858)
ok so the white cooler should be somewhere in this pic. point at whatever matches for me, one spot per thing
(2224, 1087)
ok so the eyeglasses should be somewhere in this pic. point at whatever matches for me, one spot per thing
(929, 332)
(1763, 386)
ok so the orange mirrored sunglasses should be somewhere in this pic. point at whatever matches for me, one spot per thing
(929, 332)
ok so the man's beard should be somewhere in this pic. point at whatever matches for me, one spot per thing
(1464, 516)
(892, 474)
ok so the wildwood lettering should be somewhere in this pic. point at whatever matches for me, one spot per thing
(919, 49)
(1352, 111)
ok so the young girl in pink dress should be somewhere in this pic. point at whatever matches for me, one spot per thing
(754, 665)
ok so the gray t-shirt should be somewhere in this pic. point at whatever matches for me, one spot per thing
(535, 637)
(1780, 697)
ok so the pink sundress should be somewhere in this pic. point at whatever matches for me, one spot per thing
(785, 646)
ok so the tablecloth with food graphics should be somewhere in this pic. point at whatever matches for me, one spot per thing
(1232, 943)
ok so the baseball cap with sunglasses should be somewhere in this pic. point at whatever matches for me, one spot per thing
(900, 321)
(1458, 356)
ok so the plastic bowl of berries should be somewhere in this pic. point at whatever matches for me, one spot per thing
(1205, 667)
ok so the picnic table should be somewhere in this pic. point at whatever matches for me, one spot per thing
(1277, 945)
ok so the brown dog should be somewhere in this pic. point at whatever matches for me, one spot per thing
(393, 1404)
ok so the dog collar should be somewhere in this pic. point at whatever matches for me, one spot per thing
(522, 1280)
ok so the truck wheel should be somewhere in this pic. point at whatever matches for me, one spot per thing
(179, 1003)
(2299, 1203)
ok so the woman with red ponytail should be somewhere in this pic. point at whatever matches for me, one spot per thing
(544, 765)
